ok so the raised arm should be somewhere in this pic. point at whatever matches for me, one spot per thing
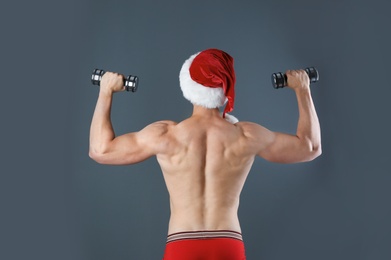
(105, 147)
(286, 148)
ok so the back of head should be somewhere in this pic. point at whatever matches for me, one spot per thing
(208, 79)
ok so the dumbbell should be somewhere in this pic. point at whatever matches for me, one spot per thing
(279, 79)
(130, 82)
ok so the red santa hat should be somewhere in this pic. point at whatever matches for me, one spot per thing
(207, 79)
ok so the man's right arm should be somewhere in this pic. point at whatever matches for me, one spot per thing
(286, 148)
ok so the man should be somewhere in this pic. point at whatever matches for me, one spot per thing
(206, 158)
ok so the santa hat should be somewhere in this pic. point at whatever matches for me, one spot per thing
(207, 79)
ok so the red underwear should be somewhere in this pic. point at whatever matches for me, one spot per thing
(205, 245)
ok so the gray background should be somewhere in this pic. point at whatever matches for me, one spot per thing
(56, 203)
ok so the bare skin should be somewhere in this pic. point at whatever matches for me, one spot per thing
(204, 159)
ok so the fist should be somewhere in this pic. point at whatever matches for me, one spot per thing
(112, 82)
(297, 79)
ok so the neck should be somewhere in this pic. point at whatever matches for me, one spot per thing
(205, 112)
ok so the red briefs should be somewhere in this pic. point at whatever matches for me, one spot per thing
(205, 245)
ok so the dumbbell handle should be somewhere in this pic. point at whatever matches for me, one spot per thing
(279, 79)
(130, 82)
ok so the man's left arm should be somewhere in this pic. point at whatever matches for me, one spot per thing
(133, 147)
(129, 148)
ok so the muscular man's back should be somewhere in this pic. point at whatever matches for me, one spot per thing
(205, 168)
(205, 159)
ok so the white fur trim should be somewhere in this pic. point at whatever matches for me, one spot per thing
(196, 93)
(231, 118)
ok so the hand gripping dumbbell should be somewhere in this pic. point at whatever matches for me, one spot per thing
(279, 80)
(130, 82)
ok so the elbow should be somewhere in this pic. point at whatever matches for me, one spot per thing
(314, 152)
(317, 151)
(97, 153)
(97, 157)
(310, 151)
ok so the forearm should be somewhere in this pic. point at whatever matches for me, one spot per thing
(101, 131)
(308, 128)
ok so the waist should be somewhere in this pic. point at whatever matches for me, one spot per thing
(197, 222)
(204, 234)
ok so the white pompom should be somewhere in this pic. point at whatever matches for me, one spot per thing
(231, 119)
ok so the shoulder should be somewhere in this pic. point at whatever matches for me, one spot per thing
(249, 128)
(254, 132)
(156, 136)
(158, 128)
(163, 123)
(256, 137)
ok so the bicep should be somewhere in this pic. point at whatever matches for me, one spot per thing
(284, 148)
(277, 147)
(134, 147)
(123, 150)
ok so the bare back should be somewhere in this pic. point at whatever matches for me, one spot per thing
(205, 160)
(205, 170)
